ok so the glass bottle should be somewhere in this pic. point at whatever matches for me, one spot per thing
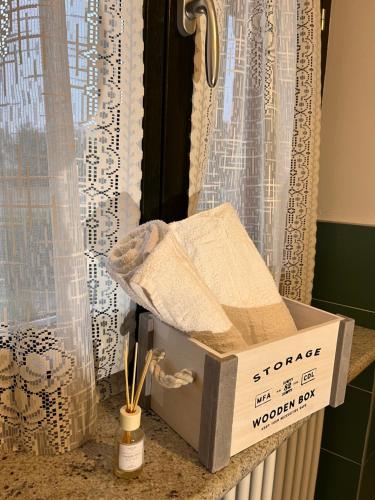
(129, 445)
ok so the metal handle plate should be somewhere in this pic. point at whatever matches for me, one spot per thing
(188, 12)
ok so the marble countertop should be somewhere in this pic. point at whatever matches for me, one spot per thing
(172, 468)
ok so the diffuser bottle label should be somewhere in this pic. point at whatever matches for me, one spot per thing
(131, 456)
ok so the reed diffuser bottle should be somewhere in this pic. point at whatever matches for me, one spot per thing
(129, 444)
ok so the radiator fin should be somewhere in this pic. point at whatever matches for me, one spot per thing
(289, 473)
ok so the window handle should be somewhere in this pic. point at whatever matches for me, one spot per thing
(188, 12)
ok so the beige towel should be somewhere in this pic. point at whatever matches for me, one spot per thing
(156, 273)
(231, 266)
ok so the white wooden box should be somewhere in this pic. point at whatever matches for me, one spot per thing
(238, 400)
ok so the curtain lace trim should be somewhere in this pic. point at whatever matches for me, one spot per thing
(300, 233)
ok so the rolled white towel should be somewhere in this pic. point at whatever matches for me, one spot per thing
(128, 255)
(235, 272)
(156, 273)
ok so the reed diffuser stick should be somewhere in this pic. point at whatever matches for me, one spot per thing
(126, 353)
(134, 373)
(143, 377)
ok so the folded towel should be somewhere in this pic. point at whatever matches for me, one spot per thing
(231, 266)
(128, 255)
(156, 273)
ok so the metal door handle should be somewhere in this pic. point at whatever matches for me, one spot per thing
(188, 11)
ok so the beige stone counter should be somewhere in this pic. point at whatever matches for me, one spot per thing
(172, 469)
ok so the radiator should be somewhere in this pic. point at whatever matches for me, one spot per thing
(289, 473)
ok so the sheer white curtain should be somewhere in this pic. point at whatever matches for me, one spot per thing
(70, 168)
(47, 381)
(242, 131)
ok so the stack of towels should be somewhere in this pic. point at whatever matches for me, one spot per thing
(204, 276)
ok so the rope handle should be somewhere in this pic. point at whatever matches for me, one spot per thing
(179, 379)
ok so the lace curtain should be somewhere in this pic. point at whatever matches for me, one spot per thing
(70, 79)
(242, 131)
(109, 159)
(255, 138)
(300, 233)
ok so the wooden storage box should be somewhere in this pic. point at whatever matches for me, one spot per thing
(238, 400)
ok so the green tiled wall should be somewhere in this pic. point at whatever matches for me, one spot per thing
(344, 283)
(345, 427)
(344, 280)
(346, 465)
(367, 490)
(337, 478)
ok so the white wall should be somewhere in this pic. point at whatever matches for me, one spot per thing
(347, 171)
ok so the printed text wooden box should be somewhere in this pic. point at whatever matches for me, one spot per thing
(238, 400)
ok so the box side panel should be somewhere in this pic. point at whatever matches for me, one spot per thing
(180, 408)
(215, 437)
(342, 362)
(306, 316)
(281, 383)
